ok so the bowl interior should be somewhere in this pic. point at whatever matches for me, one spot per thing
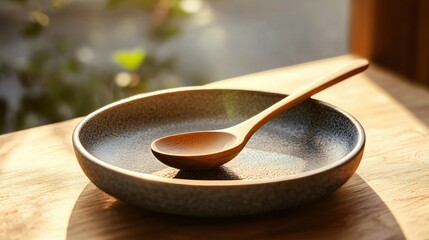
(310, 136)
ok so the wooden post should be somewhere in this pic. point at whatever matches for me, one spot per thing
(423, 43)
(394, 34)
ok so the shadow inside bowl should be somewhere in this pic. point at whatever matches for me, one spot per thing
(353, 211)
(219, 173)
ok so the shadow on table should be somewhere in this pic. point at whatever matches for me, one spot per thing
(412, 96)
(353, 211)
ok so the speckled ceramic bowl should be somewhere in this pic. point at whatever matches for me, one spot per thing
(302, 155)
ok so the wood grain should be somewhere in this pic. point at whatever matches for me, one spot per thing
(45, 195)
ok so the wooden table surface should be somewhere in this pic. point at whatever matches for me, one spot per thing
(45, 195)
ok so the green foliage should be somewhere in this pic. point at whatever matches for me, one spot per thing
(135, 4)
(19, 1)
(166, 32)
(31, 30)
(129, 59)
(57, 85)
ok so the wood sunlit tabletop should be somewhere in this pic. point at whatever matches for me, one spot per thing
(44, 194)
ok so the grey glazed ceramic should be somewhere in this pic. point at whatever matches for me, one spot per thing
(302, 155)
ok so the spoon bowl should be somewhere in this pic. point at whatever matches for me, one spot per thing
(203, 150)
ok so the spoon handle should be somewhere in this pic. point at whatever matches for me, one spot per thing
(247, 128)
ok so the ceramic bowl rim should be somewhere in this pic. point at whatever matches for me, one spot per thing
(77, 145)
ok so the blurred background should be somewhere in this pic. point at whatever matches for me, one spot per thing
(61, 59)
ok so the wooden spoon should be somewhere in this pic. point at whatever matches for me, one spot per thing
(209, 149)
